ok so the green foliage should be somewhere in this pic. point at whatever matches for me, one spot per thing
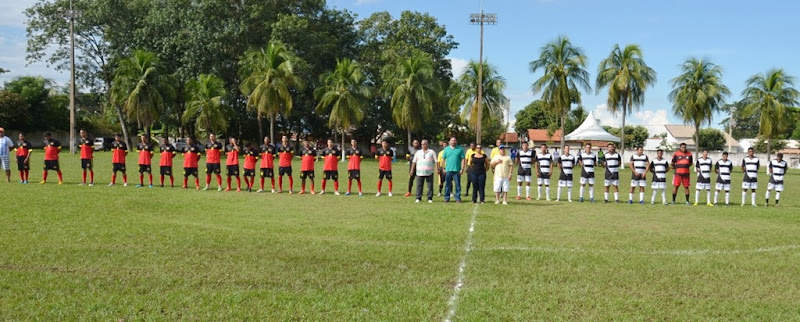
(46, 106)
(772, 95)
(712, 139)
(634, 135)
(14, 110)
(143, 87)
(412, 87)
(345, 92)
(761, 145)
(745, 126)
(534, 116)
(494, 102)
(206, 105)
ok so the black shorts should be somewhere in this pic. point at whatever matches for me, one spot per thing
(565, 177)
(145, 168)
(587, 175)
(287, 171)
(86, 164)
(524, 172)
(639, 177)
(212, 168)
(166, 170)
(385, 174)
(307, 174)
(51, 165)
(331, 175)
(189, 172)
(118, 167)
(544, 175)
(249, 172)
(270, 172)
(22, 165)
(354, 174)
(702, 179)
(233, 170)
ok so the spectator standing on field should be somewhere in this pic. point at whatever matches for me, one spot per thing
(422, 167)
(412, 151)
(501, 164)
(6, 144)
(454, 164)
(479, 162)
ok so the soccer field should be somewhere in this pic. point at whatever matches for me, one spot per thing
(101, 253)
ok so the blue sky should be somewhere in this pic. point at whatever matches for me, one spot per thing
(744, 37)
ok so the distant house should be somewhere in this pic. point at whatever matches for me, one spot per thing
(677, 134)
(540, 136)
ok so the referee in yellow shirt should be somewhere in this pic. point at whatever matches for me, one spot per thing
(468, 158)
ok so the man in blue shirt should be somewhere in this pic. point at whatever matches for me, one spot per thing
(454, 164)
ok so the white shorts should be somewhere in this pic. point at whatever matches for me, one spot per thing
(541, 181)
(611, 182)
(500, 184)
(6, 163)
(750, 185)
(524, 178)
(638, 183)
(590, 181)
(724, 186)
(658, 185)
(777, 187)
(565, 183)
(703, 186)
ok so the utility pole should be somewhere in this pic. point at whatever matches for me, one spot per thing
(71, 14)
(731, 124)
(481, 19)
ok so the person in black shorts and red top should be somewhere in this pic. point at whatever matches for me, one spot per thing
(682, 161)
(167, 153)
(119, 150)
(330, 156)
(250, 159)
(86, 145)
(354, 156)
(24, 150)
(145, 148)
(232, 163)
(385, 155)
(51, 150)
(213, 152)
(268, 155)
(285, 155)
(308, 155)
(191, 155)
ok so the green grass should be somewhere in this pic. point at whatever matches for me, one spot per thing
(102, 253)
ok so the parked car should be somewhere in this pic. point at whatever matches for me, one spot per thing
(180, 144)
(103, 144)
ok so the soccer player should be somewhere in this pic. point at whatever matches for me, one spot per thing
(587, 160)
(639, 166)
(503, 167)
(468, 157)
(145, 149)
(87, 151)
(51, 150)
(410, 158)
(524, 163)
(268, 154)
(24, 151)
(6, 145)
(285, 155)
(167, 153)
(777, 169)
(119, 150)
(612, 160)
(384, 156)
(681, 162)
(566, 162)
(232, 163)
(750, 166)
(440, 167)
(544, 161)
(354, 167)
(703, 169)
(213, 150)
(250, 159)
(308, 155)
(723, 168)
(330, 167)
(191, 156)
(659, 166)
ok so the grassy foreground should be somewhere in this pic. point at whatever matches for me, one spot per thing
(77, 253)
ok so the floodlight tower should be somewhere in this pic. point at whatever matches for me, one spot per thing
(481, 19)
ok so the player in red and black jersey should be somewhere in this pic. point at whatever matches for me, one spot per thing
(268, 154)
(24, 150)
(232, 163)
(354, 166)
(191, 155)
(146, 151)
(119, 150)
(167, 153)
(51, 149)
(308, 155)
(250, 159)
(87, 150)
(385, 155)
(330, 168)
(285, 155)
(213, 152)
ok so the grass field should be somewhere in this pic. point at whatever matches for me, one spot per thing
(122, 253)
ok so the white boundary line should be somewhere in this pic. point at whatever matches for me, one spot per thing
(681, 252)
(452, 303)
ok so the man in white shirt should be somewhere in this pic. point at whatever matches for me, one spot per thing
(6, 144)
(502, 165)
(422, 165)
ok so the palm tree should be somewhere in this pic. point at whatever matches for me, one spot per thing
(697, 93)
(772, 95)
(564, 75)
(205, 102)
(626, 75)
(413, 88)
(143, 88)
(345, 91)
(268, 76)
(466, 97)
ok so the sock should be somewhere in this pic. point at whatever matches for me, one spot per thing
(716, 195)
(208, 179)
(84, 177)
(358, 181)
(539, 191)
(708, 196)
(547, 191)
(303, 186)
(44, 176)
(280, 182)
(744, 197)
(527, 191)
(752, 197)
(229, 182)
(141, 179)
(673, 197)
(219, 180)
(196, 182)
(569, 193)
(380, 183)
(185, 181)
(272, 181)
(323, 184)
(687, 197)
(605, 194)
(113, 178)
(91, 176)
(262, 183)
(616, 195)
(641, 195)
(60, 177)
(767, 196)
(291, 183)
(664, 195)
(336, 186)
(653, 199)
(727, 197)
(349, 185)
(390, 185)
(22, 176)
(697, 196)
(519, 191)
(124, 178)
(171, 180)
(777, 197)
(591, 192)
(630, 196)
(581, 193)
(238, 183)
(558, 193)
(162, 179)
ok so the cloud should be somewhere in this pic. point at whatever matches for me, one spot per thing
(362, 2)
(652, 119)
(458, 64)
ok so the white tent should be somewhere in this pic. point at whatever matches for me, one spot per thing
(590, 131)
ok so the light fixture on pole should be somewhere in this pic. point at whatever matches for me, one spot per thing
(71, 14)
(481, 19)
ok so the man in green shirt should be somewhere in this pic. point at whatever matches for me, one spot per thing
(454, 164)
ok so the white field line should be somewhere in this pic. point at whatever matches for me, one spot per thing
(452, 303)
(680, 252)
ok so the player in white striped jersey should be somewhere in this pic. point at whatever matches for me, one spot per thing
(544, 163)
(639, 165)
(703, 168)
(723, 168)
(587, 160)
(777, 169)
(566, 162)
(612, 162)
(750, 166)
(524, 162)
(659, 166)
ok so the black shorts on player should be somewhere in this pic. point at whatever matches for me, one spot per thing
(384, 174)
(233, 170)
(86, 164)
(145, 168)
(166, 170)
(354, 174)
(270, 172)
(330, 175)
(21, 165)
(287, 171)
(189, 172)
(251, 173)
(307, 174)
(212, 168)
(118, 167)
(51, 165)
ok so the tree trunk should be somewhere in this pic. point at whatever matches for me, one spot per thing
(769, 150)
(696, 140)
(343, 156)
(147, 131)
(563, 128)
(260, 129)
(122, 123)
(408, 143)
(622, 131)
(272, 128)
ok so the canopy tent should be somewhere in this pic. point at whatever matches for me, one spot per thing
(590, 131)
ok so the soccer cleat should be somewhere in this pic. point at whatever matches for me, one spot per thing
(227, 189)
(430, 201)
(439, 194)
(408, 194)
(91, 184)
(110, 184)
(695, 204)
(302, 192)
(580, 200)
(528, 198)
(21, 181)
(43, 182)
(497, 202)
(197, 188)
(652, 203)
(505, 203)
(710, 204)
(558, 200)
(591, 200)
(548, 199)
(273, 190)
(754, 205)
(206, 188)
(390, 193)
(80, 184)
(162, 186)
(238, 189)
(743, 204)
(416, 201)
(138, 186)
(538, 198)
(336, 193)
(378, 194)
(219, 189)
(641, 202)
(321, 192)
(687, 203)
(150, 186)
(518, 197)
(360, 194)
(630, 202)
(290, 192)
(347, 193)
(260, 191)
(60, 183)
(605, 201)
(184, 187)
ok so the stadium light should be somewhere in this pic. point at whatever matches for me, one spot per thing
(481, 19)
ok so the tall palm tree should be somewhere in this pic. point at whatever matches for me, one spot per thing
(268, 77)
(697, 93)
(773, 95)
(345, 91)
(466, 97)
(205, 101)
(413, 88)
(564, 76)
(626, 75)
(143, 88)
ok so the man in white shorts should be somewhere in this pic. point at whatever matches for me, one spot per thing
(544, 163)
(750, 166)
(612, 161)
(502, 166)
(777, 169)
(640, 163)
(723, 168)
(6, 145)
(587, 160)
(524, 161)
(703, 168)
(659, 166)
(566, 162)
